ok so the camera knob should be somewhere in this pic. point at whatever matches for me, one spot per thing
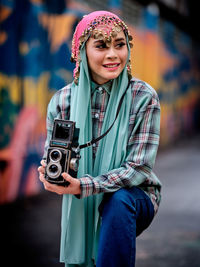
(74, 164)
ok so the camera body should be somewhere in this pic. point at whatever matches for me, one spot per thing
(63, 153)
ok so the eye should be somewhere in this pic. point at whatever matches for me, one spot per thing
(101, 45)
(121, 44)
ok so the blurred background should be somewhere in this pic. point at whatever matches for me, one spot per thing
(35, 45)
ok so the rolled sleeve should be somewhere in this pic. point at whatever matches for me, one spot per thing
(89, 186)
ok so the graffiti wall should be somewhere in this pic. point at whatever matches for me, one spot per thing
(35, 43)
(169, 60)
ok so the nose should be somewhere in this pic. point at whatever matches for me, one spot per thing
(111, 53)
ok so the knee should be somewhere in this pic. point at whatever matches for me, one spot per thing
(120, 202)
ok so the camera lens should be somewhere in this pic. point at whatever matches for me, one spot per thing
(55, 155)
(53, 170)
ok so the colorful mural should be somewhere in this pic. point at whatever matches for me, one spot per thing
(35, 42)
(169, 61)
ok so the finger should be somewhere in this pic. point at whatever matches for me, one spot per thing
(41, 177)
(41, 169)
(53, 188)
(74, 184)
(67, 177)
(47, 186)
(43, 163)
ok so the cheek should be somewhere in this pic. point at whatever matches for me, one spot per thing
(94, 60)
(124, 56)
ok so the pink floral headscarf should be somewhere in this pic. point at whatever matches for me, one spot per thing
(100, 25)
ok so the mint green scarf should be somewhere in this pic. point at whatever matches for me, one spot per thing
(80, 217)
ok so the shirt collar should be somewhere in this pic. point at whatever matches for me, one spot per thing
(106, 86)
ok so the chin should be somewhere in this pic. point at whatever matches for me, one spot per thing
(113, 76)
(101, 79)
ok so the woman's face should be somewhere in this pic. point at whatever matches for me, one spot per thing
(106, 62)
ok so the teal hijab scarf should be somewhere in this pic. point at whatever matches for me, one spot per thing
(81, 221)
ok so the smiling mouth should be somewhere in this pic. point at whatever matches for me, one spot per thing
(111, 65)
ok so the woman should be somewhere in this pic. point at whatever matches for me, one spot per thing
(116, 194)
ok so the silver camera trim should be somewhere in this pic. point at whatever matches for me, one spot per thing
(51, 174)
(59, 158)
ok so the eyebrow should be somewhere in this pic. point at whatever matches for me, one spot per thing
(97, 41)
(116, 40)
(119, 39)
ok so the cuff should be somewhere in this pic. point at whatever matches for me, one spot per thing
(88, 186)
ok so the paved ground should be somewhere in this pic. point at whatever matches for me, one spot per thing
(30, 228)
(173, 239)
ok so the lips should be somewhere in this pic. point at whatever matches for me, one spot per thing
(111, 65)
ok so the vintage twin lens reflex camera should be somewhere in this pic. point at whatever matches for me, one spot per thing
(63, 152)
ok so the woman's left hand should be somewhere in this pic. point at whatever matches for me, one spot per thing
(73, 188)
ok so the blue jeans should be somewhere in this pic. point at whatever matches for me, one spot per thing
(125, 214)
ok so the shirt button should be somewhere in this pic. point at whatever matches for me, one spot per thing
(100, 89)
(96, 115)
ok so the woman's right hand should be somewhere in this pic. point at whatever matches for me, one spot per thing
(73, 188)
(41, 170)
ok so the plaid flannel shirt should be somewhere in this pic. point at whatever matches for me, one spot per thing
(143, 139)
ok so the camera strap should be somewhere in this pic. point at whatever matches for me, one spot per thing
(93, 141)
